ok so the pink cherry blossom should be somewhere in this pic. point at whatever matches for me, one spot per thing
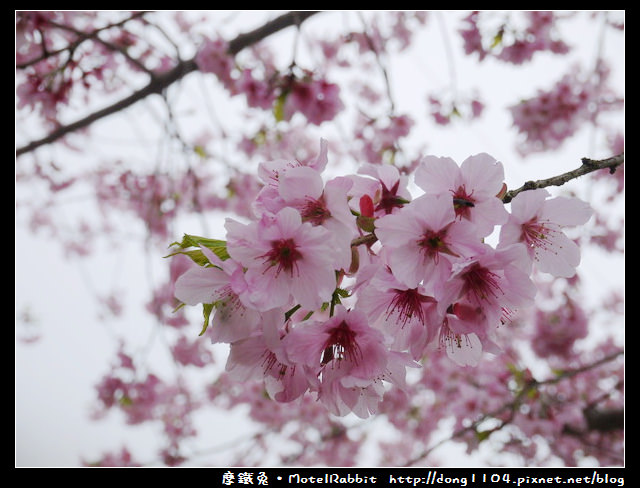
(221, 285)
(193, 352)
(496, 281)
(387, 188)
(258, 92)
(350, 357)
(320, 204)
(287, 261)
(466, 333)
(424, 238)
(261, 357)
(557, 330)
(270, 173)
(407, 315)
(317, 99)
(538, 222)
(550, 117)
(474, 186)
(465, 349)
(213, 57)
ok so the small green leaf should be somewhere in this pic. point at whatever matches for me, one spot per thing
(200, 151)
(207, 308)
(278, 107)
(497, 39)
(482, 435)
(125, 401)
(342, 293)
(197, 257)
(367, 224)
(219, 247)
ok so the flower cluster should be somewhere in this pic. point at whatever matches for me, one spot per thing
(512, 45)
(336, 287)
(550, 117)
(301, 92)
(64, 55)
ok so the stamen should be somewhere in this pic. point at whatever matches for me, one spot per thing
(283, 254)
(341, 345)
(463, 202)
(315, 211)
(433, 243)
(405, 304)
(536, 235)
(481, 283)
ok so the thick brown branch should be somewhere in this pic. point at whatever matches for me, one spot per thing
(606, 420)
(588, 166)
(159, 82)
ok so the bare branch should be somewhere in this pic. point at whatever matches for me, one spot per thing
(604, 421)
(81, 37)
(588, 166)
(159, 82)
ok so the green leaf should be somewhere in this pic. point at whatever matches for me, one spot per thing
(482, 435)
(126, 401)
(219, 247)
(196, 256)
(341, 292)
(207, 308)
(200, 151)
(497, 39)
(278, 106)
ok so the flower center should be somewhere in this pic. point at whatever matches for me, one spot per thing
(481, 283)
(536, 235)
(463, 202)
(433, 243)
(283, 254)
(389, 198)
(407, 303)
(315, 211)
(341, 345)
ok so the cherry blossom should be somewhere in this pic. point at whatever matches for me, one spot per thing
(288, 261)
(556, 331)
(495, 280)
(317, 99)
(538, 221)
(262, 357)
(350, 358)
(407, 315)
(339, 288)
(424, 239)
(474, 187)
(220, 285)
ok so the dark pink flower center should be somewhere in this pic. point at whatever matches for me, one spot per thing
(433, 243)
(407, 304)
(341, 345)
(389, 198)
(463, 202)
(315, 211)
(481, 283)
(283, 254)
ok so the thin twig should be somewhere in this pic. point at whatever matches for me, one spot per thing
(588, 166)
(161, 81)
(512, 406)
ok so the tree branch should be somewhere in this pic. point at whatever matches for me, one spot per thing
(603, 421)
(159, 82)
(588, 166)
